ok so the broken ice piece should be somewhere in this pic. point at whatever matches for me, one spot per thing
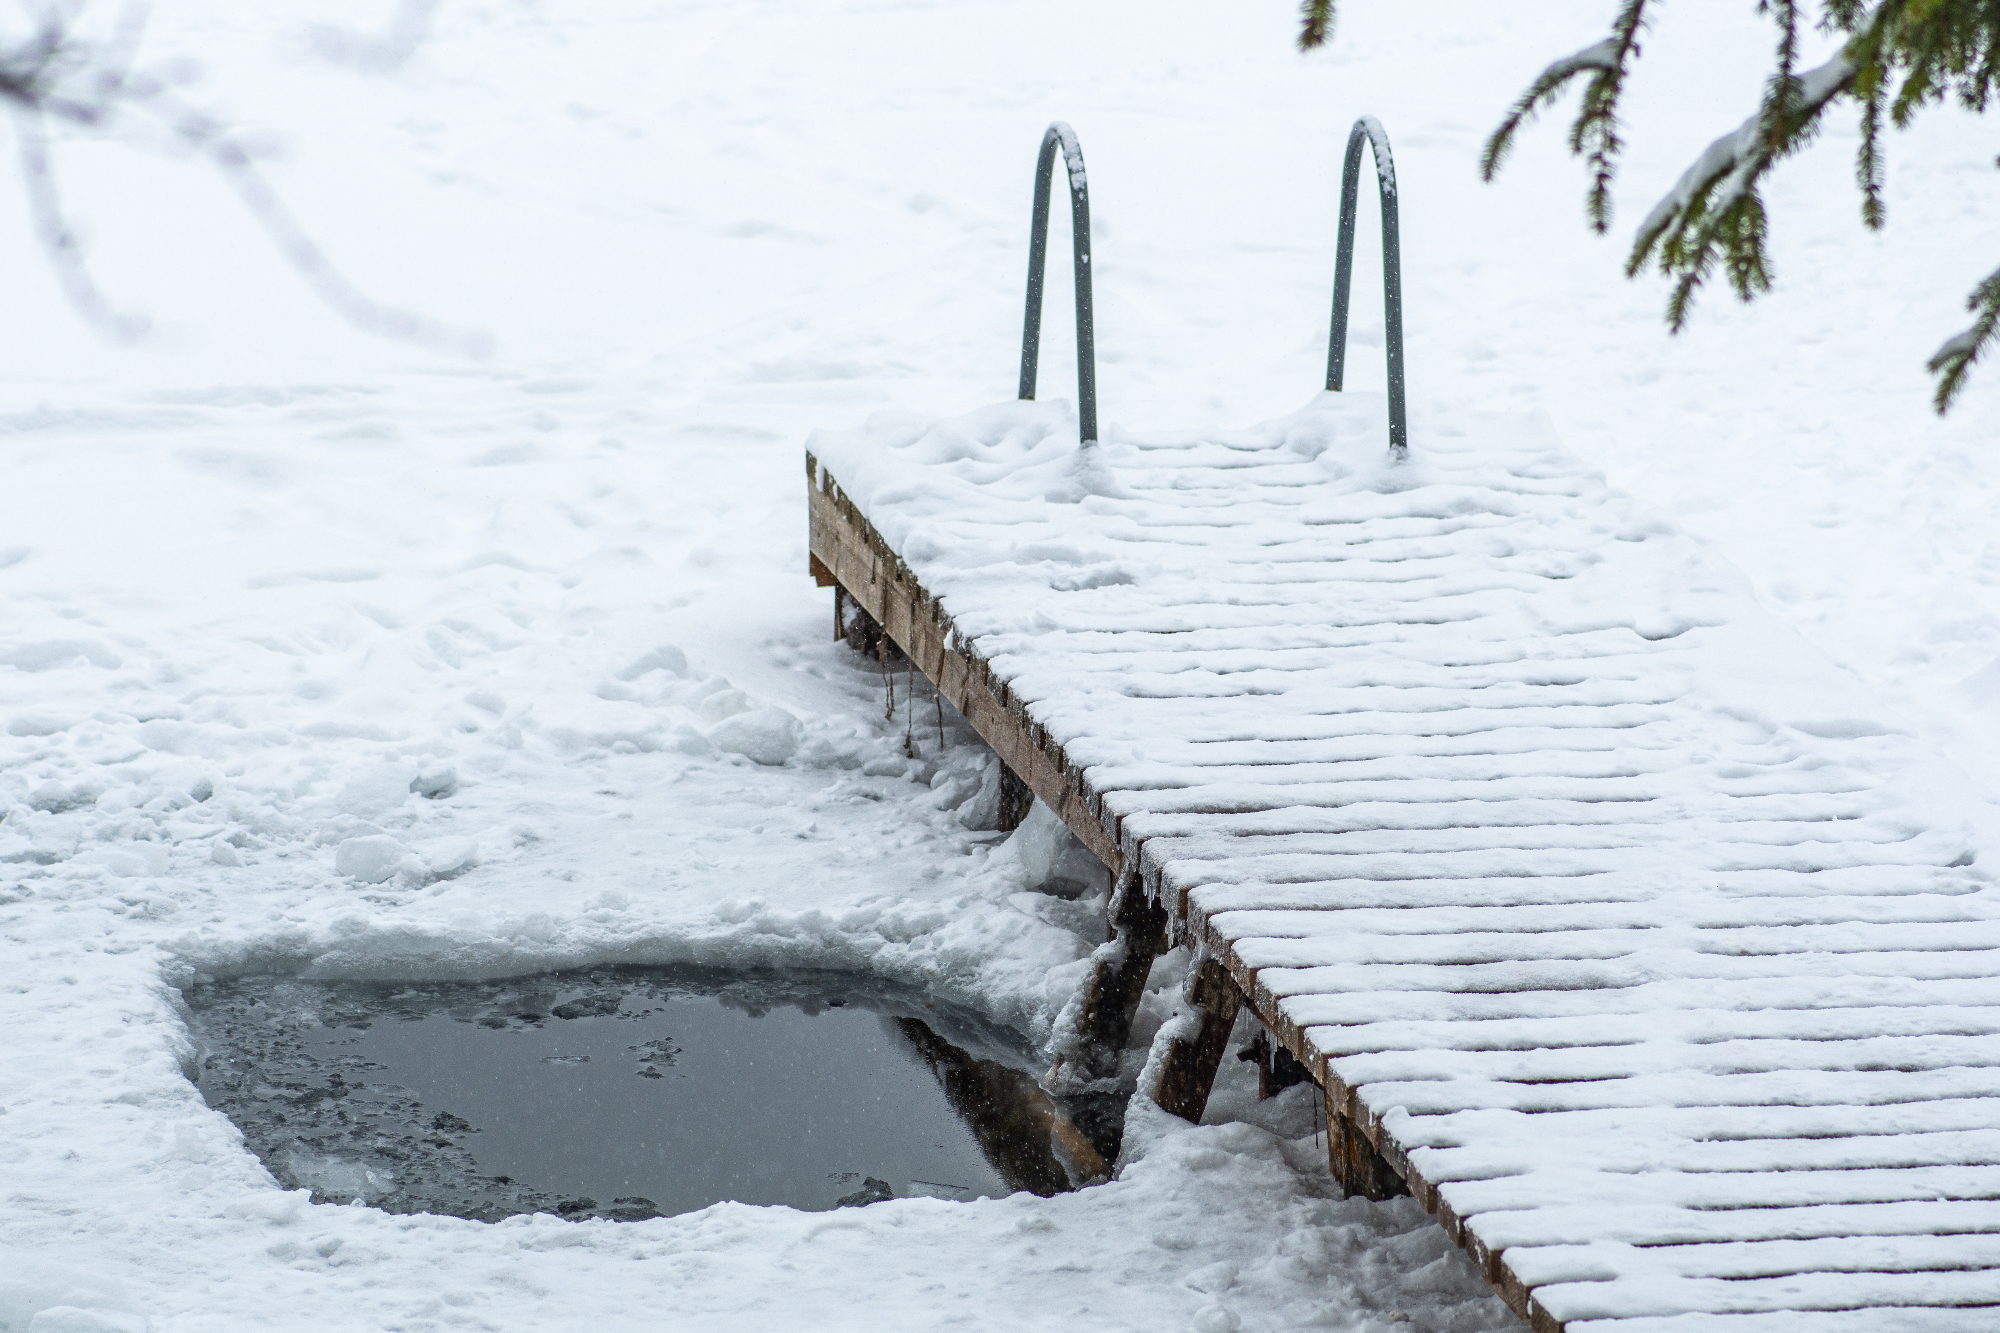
(589, 1006)
(871, 1191)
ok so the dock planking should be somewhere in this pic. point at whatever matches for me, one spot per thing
(1613, 923)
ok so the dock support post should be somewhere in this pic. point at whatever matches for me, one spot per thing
(1016, 798)
(1192, 1062)
(1111, 1001)
(1356, 1165)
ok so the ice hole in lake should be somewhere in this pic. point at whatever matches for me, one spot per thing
(633, 1093)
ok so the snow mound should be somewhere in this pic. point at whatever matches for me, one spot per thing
(37, 1296)
(764, 735)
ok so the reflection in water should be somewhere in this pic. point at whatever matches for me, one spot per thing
(1028, 1138)
(631, 1093)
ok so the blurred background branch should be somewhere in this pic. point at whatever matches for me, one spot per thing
(57, 79)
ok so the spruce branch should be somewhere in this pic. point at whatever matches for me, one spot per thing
(1315, 23)
(1868, 162)
(1594, 135)
(1778, 110)
(1896, 58)
(1951, 362)
(1714, 212)
(1601, 57)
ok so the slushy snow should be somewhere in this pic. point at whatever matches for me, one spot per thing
(323, 655)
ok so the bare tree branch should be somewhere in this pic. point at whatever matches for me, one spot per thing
(59, 241)
(367, 53)
(56, 79)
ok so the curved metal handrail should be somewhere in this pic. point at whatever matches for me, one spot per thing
(1370, 130)
(1060, 134)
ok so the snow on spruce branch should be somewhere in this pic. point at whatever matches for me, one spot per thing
(1714, 210)
(1603, 57)
(1595, 133)
(1951, 362)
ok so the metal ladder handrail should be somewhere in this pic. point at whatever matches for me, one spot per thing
(1060, 134)
(1370, 130)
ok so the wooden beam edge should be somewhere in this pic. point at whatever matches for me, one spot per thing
(847, 546)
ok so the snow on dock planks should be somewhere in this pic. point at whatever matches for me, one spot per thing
(1613, 922)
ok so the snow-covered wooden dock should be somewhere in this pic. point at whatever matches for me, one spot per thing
(1607, 913)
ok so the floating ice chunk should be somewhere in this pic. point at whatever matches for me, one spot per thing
(339, 1179)
(36, 724)
(370, 859)
(225, 855)
(871, 1191)
(767, 735)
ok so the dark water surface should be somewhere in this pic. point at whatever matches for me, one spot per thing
(629, 1093)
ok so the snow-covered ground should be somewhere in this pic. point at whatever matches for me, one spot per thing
(260, 574)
